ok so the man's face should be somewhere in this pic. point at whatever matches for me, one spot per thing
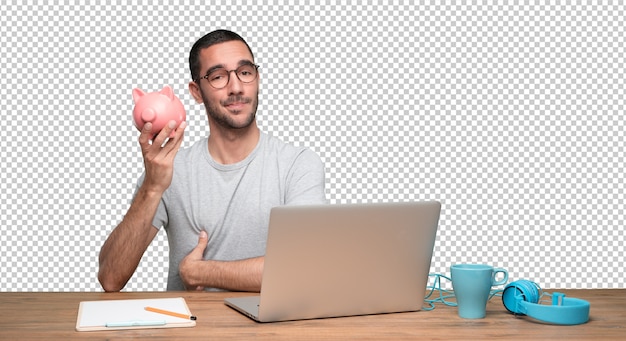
(233, 106)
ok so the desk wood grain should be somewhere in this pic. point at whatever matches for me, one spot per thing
(52, 316)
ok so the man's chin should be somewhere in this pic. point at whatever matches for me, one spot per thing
(239, 122)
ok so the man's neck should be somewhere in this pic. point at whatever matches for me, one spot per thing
(228, 146)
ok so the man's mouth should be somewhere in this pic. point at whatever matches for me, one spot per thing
(236, 107)
(236, 102)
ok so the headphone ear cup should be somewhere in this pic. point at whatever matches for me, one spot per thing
(519, 291)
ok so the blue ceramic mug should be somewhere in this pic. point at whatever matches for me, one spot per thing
(472, 284)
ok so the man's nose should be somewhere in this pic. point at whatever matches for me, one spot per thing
(235, 86)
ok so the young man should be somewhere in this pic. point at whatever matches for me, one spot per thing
(214, 198)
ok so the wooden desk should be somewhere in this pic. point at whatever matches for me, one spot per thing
(52, 316)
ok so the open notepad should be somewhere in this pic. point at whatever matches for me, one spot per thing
(131, 314)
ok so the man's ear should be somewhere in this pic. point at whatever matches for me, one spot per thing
(194, 90)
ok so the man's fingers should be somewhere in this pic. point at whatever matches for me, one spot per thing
(181, 129)
(198, 251)
(160, 139)
(177, 139)
(203, 239)
(159, 153)
(188, 268)
(146, 134)
(164, 134)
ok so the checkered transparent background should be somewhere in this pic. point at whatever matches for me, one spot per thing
(510, 115)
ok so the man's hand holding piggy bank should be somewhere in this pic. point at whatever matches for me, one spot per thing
(158, 108)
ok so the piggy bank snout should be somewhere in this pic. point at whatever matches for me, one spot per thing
(148, 115)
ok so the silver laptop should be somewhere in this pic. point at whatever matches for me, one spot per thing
(344, 260)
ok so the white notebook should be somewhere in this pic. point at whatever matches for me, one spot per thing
(131, 314)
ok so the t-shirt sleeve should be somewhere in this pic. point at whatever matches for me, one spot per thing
(306, 180)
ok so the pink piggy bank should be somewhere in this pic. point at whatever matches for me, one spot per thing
(159, 108)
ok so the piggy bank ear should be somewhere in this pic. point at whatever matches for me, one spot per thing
(137, 94)
(167, 91)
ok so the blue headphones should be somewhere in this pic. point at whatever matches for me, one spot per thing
(522, 298)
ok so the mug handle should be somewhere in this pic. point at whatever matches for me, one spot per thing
(503, 280)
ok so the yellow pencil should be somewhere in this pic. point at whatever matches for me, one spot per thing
(170, 313)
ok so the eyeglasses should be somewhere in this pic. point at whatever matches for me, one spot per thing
(220, 77)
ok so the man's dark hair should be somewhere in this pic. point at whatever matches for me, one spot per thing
(210, 39)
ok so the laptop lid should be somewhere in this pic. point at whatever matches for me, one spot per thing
(342, 260)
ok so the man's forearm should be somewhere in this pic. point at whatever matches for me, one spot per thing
(239, 275)
(124, 248)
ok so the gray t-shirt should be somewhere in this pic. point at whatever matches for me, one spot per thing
(232, 202)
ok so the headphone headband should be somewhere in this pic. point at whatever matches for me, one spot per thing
(522, 297)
